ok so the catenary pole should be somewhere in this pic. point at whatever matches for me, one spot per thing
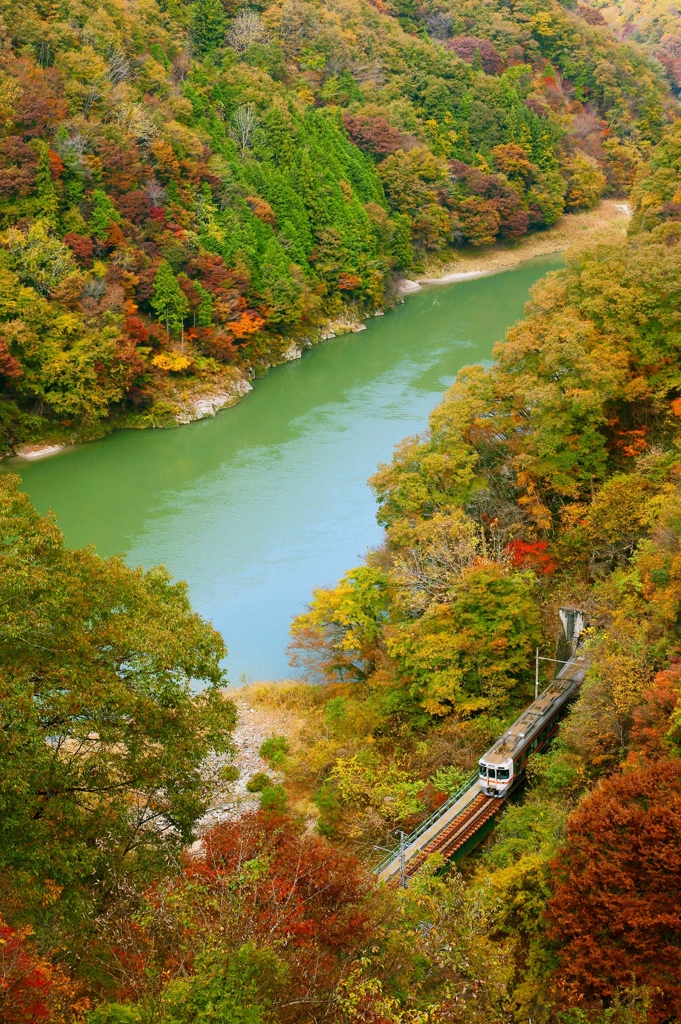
(403, 863)
(536, 675)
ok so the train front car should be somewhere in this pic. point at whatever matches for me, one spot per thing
(503, 766)
(496, 774)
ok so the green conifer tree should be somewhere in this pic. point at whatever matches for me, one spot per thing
(207, 25)
(307, 186)
(295, 249)
(204, 310)
(279, 136)
(47, 194)
(169, 301)
(103, 213)
(402, 249)
(281, 292)
(159, 54)
(348, 90)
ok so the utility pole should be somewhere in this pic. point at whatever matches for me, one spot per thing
(402, 855)
(403, 863)
(537, 659)
(536, 675)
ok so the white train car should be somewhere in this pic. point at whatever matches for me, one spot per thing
(504, 763)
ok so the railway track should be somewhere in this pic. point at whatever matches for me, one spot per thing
(467, 816)
(459, 831)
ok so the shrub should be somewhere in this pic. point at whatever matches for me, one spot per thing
(273, 800)
(274, 750)
(258, 782)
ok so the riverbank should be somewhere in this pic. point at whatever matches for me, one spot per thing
(607, 222)
(192, 399)
(264, 709)
(181, 403)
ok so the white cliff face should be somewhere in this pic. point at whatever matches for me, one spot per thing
(206, 403)
(405, 287)
(292, 352)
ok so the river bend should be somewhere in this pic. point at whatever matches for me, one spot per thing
(259, 505)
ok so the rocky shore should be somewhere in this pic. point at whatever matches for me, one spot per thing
(231, 799)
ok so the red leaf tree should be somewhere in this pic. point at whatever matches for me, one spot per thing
(34, 990)
(465, 47)
(531, 553)
(309, 894)
(374, 134)
(652, 731)
(616, 907)
(262, 882)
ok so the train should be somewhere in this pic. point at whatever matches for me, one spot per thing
(503, 766)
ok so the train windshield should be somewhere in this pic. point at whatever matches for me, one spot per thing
(491, 773)
(503, 773)
(483, 771)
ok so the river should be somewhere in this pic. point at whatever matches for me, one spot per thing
(269, 499)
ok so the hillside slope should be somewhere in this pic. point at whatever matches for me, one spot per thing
(189, 191)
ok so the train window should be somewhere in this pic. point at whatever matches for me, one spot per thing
(483, 771)
(491, 773)
(503, 773)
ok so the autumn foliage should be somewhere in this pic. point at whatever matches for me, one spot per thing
(533, 554)
(261, 883)
(138, 140)
(185, 186)
(33, 989)
(653, 728)
(616, 905)
(466, 47)
(373, 134)
(305, 895)
(247, 324)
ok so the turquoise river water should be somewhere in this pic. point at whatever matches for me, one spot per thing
(269, 499)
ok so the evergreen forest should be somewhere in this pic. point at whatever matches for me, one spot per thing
(190, 194)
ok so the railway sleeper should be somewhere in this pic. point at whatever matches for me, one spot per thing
(459, 831)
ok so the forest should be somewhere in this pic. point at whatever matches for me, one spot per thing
(187, 191)
(191, 193)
